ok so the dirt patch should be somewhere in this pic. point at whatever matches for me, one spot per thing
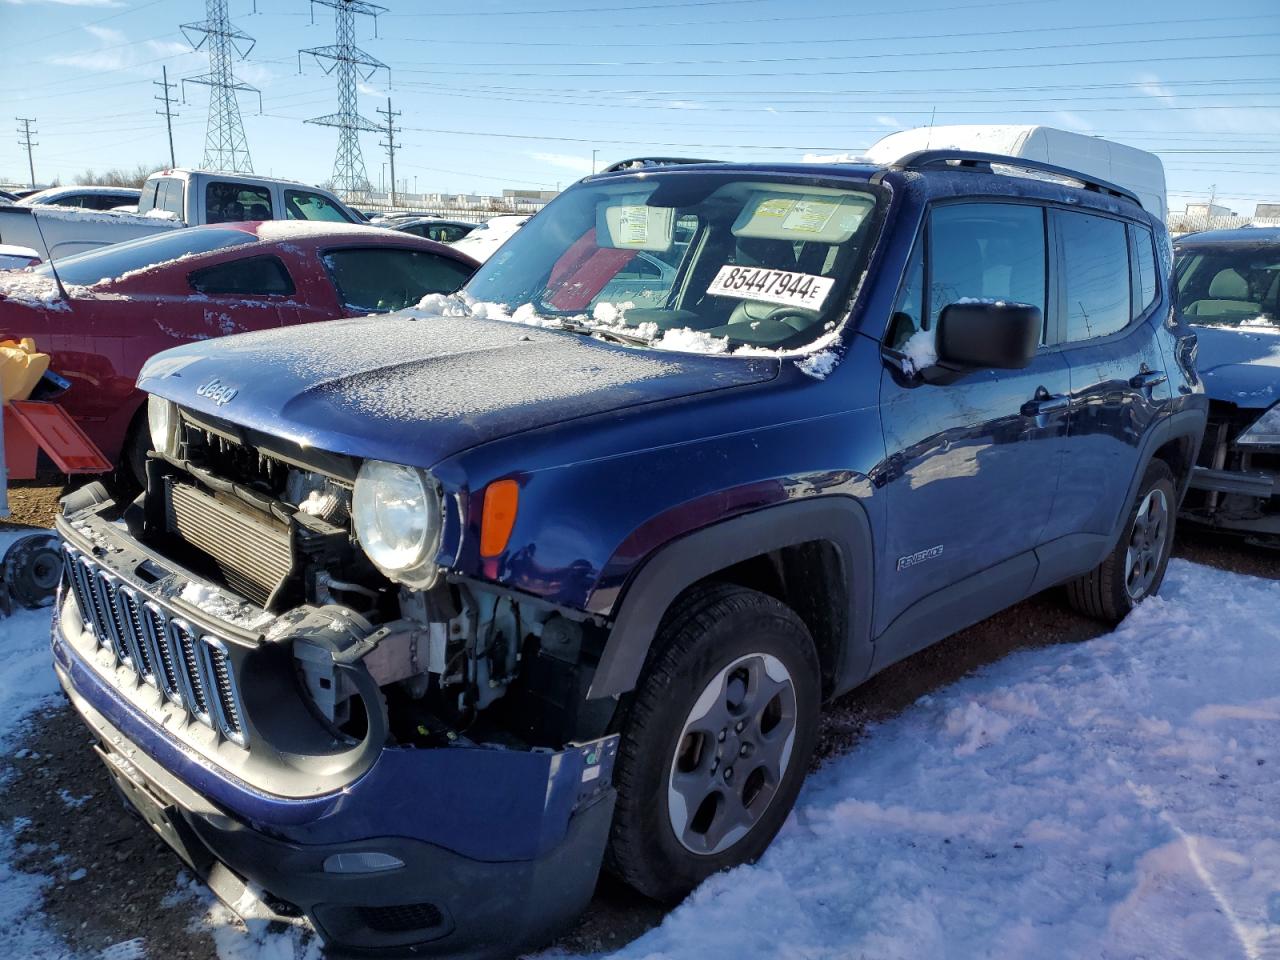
(34, 503)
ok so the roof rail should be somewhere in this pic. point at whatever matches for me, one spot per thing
(982, 162)
(641, 163)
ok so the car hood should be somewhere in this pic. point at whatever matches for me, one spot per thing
(413, 389)
(1240, 365)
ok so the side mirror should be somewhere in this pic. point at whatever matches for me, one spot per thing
(989, 335)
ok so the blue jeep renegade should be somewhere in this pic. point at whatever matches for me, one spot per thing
(424, 618)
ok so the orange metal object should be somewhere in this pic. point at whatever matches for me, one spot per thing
(30, 423)
(501, 498)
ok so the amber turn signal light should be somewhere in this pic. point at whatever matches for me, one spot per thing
(500, 501)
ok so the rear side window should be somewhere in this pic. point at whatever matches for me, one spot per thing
(148, 198)
(235, 202)
(171, 199)
(1095, 264)
(379, 279)
(986, 251)
(252, 276)
(304, 205)
(1144, 280)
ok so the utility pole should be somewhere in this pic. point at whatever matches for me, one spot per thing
(26, 133)
(166, 98)
(390, 144)
(593, 161)
(1208, 213)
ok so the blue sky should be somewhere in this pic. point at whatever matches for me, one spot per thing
(499, 93)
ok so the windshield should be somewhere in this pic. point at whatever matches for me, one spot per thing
(1236, 285)
(711, 260)
(112, 262)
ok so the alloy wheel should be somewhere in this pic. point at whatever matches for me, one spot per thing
(1147, 539)
(732, 753)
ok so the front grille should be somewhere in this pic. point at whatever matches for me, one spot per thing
(192, 669)
(402, 918)
(253, 556)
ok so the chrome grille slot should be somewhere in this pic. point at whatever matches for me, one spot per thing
(192, 674)
(254, 555)
(192, 669)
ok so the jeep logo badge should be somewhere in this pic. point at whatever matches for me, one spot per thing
(217, 391)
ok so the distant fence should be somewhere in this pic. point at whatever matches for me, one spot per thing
(460, 208)
(1180, 223)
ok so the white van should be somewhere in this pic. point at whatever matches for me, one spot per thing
(1125, 166)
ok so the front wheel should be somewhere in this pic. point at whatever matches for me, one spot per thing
(715, 744)
(1135, 568)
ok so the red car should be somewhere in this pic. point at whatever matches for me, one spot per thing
(131, 300)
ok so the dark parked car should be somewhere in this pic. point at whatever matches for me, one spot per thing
(434, 228)
(422, 619)
(85, 198)
(130, 300)
(1228, 287)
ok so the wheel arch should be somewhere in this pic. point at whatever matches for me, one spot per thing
(776, 550)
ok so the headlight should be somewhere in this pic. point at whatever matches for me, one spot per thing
(162, 417)
(396, 512)
(1265, 431)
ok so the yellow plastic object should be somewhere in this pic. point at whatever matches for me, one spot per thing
(21, 367)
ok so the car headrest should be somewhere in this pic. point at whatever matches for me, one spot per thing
(1228, 285)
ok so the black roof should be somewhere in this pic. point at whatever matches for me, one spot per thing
(1238, 235)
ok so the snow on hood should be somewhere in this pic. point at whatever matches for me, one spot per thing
(414, 388)
(1240, 365)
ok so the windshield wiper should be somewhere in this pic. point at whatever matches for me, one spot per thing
(609, 333)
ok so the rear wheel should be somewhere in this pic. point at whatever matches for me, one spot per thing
(1135, 568)
(716, 742)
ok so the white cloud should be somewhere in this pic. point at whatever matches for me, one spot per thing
(893, 123)
(1150, 84)
(106, 34)
(117, 53)
(566, 161)
(370, 90)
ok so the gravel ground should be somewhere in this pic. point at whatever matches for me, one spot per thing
(76, 817)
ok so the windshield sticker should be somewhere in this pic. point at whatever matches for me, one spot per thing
(810, 216)
(633, 225)
(782, 287)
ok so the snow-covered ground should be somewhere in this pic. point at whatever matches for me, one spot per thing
(1115, 799)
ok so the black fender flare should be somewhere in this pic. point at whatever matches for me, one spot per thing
(838, 519)
(1187, 424)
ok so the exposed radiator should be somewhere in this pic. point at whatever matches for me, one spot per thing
(254, 556)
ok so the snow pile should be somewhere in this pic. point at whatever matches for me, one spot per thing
(921, 350)
(222, 606)
(36, 289)
(1112, 799)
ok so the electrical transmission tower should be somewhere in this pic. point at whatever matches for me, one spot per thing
(390, 144)
(26, 133)
(165, 96)
(225, 146)
(351, 64)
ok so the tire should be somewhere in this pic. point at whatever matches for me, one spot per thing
(130, 475)
(1135, 568)
(747, 662)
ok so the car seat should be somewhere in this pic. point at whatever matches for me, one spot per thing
(1228, 295)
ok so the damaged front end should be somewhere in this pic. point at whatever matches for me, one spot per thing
(1235, 486)
(289, 679)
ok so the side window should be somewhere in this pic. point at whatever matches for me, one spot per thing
(380, 279)
(908, 311)
(986, 251)
(1095, 261)
(235, 202)
(252, 276)
(1144, 282)
(173, 199)
(303, 205)
(148, 198)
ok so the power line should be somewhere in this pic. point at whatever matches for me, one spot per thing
(26, 133)
(348, 61)
(166, 96)
(390, 144)
(225, 145)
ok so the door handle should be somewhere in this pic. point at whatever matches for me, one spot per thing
(1147, 379)
(1044, 403)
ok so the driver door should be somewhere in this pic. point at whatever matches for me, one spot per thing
(972, 465)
